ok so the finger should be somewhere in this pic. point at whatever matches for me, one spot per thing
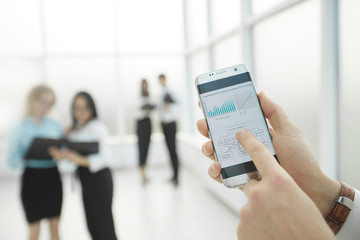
(248, 186)
(53, 151)
(274, 113)
(214, 171)
(199, 104)
(208, 150)
(272, 133)
(203, 128)
(260, 155)
(53, 148)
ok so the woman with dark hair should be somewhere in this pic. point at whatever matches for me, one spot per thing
(41, 187)
(144, 127)
(95, 176)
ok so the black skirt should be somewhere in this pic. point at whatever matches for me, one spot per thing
(41, 193)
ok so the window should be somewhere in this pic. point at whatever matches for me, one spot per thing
(349, 94)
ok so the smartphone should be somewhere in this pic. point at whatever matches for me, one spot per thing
(229, 102)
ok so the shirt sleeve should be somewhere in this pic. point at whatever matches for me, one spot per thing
(15, 153)
(100, 160)
(350, 230)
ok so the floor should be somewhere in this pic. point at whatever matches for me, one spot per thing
(158, 211)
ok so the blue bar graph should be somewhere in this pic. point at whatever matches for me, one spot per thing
(227, 107)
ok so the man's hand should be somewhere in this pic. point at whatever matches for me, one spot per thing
(277, 208)
(294, 155)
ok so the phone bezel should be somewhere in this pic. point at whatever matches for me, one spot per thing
(242, 179)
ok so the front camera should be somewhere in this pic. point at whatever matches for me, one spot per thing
(235, 69)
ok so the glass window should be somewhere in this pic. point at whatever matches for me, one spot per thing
(20, 31)
(95, 75)
(134, 69)
(219, 9)
(228, 52)
(82, 26)
(196, 19)
(199, 64)
(18, 77)
(145, 28)
(260, 6)
(349, 95)
(288, 67)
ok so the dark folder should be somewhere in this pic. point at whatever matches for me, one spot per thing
(148, 107)
(168, 98)
(40, 146)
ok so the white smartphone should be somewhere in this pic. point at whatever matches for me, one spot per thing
(229, 102)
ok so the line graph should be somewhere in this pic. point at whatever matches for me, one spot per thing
(245, 100)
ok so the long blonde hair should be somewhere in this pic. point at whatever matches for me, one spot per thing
(35, 94)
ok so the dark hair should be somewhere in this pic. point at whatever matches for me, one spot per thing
(90, 105)
(162, 76)
(144, 93)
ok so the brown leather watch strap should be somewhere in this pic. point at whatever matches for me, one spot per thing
(341, 208)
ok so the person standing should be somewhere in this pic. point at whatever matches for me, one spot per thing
(168, 116)
(41, 186)
(95, 176)
(144, 127)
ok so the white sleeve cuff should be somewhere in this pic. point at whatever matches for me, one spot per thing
(96, 163)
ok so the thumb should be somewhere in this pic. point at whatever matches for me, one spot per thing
(274, 113)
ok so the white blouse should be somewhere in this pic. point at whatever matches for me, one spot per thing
(94, 131)
(141, 113)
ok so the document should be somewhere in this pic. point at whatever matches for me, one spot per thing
(40, 146)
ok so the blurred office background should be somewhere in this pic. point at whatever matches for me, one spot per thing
(304, 54)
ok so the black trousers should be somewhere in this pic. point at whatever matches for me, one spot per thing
(97, 193)
(169, 130)
(144, 134)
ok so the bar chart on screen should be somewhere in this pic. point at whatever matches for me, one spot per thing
(227, 107)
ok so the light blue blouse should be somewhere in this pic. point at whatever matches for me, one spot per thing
(21, 137)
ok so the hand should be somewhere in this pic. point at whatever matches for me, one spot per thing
(277, 208)
(167, 106)
(76, 158)
(294, 155)
(70, 155)
(56, 153)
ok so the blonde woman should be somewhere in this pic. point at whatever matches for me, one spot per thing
(41, 187)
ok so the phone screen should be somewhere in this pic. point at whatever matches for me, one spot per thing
(231, 104)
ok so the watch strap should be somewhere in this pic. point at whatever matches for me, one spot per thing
(341, 208)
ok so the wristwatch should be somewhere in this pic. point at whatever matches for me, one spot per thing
(341, 208)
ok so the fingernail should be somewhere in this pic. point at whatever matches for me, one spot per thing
(203, 147)
(217, 165)
(240, 132)
(213, 167)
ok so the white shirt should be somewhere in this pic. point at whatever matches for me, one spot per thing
(351, 228)
(94, 131)
(141, 113)
(168, 114)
